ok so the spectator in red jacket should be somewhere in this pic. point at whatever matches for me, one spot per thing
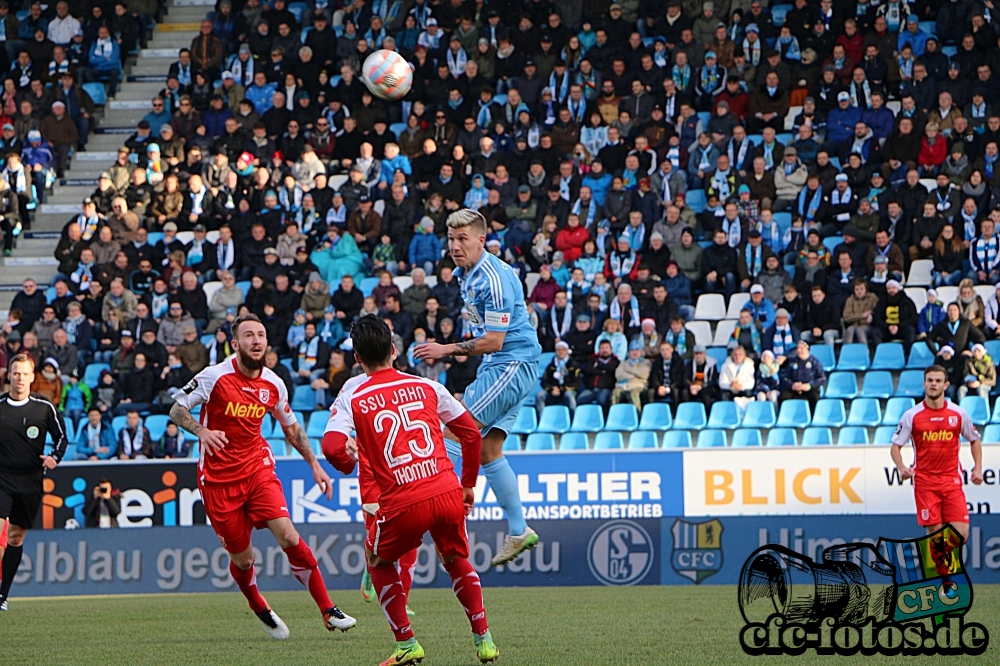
(933, 151)
(544, 293)
(570, 240)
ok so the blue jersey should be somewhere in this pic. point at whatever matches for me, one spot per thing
(494, 301)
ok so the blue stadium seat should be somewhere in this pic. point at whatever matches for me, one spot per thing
(842, 385)
(690, 416)
(852, 437)
(574, 441)
(301, 418)
(993, 348)
(368, 285)
(824, 353)
(655, 416)
(817, 437)
(878, 384)
(157, 425)
(853, 358)
(894, 410)
(206, 339)
(588, 418)
(794, 414)
(996, 413)
(244, 286)
(512, 443)
(298, 9)
(719, 354)
(277, 446)
(747, 437)
(92, 375)
(530, 400)
(304, 398)
(608, 440)
(911, 384)
(623, 418)
(97, 93)
(555, 419)
(783, 220)
(890, 356)
(526, 421)
(540, 441)
(830, 413)
(287, 362)
(316, 427)
(117, 424)
(920, 356)
(725, 415)
(782, 437)
(677, 439)
(778, 13)
(397, 128)
(195, 450)
(642, 439)
(991, 435)
(704, 117)
(712, 439)
(543, 362)
(760, 414)
(267, 426)
(883, 435)
(695, 199)
(978, 409)
(865, 412)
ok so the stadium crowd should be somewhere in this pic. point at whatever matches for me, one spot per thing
(630, 156)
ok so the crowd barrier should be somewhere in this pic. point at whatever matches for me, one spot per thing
(664, 551)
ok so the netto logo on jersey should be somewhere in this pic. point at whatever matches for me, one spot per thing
(861, 598)
(244, 411)
(620, 553)
(937, 436)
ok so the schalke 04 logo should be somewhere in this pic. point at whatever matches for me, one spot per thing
(620, 553)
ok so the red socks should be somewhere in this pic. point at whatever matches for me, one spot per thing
(469, 590)
(405, 567)
(305, 568)
(247, 582)
(392, 599)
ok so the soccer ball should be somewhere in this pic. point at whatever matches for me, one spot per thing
(387, 75)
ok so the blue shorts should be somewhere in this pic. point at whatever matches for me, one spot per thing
(498, 392)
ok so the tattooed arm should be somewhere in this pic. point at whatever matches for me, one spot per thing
(210, 440)
(296, 437)
(489, 343)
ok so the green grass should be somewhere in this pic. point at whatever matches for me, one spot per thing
(532, 626)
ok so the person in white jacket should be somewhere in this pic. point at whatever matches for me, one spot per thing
(738, 377)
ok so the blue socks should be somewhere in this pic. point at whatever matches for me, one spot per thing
(454, 450)
(504, 484)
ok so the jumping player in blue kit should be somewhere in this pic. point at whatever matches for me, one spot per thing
(503, 336)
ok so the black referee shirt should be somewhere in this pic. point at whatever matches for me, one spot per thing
(23, 426)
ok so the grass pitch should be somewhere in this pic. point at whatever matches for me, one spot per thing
(532, 626)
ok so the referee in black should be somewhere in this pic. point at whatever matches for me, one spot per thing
(24, 422)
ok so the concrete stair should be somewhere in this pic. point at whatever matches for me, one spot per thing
(33, 256)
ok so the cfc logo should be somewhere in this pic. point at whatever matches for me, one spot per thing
(244, 411)
(620, 553)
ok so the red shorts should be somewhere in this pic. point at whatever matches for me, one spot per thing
(391, 537)
(236, 508)
(942, 502)
(3, 534)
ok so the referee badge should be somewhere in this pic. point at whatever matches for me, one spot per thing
(32, 432)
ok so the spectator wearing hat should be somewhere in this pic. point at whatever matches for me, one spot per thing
(700, 381)
(58, 130)
(559, 381)
(841, 123)
(48, 384)
(790, 176)
(171, 330)
(802, 375)
(598, 377)
(980, 374)
(895, 317)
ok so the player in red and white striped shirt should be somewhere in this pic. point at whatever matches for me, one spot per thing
(397, 419)
(936, 426)
(236, 476)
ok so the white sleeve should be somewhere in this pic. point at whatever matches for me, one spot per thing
(969, 429)
(341, 415)
(197, 391)
(903, 431)
(449, 408)
(282, 410)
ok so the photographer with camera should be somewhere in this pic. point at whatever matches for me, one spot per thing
(104, 508)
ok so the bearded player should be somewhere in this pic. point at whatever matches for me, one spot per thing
(397, 418)
(236, 475)
(494, 303)
(936, 426)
